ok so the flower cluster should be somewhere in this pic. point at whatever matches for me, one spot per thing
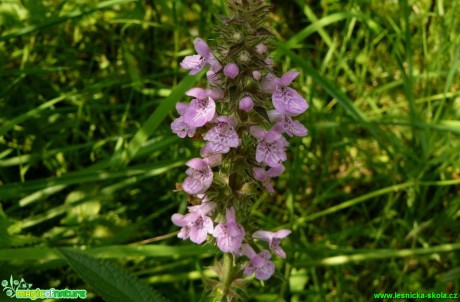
(242, 117)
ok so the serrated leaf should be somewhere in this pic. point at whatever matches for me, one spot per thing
(111, 282)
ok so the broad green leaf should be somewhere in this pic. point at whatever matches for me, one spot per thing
(111, 282)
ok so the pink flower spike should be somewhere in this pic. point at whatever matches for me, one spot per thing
(273, 239)
(231, 70)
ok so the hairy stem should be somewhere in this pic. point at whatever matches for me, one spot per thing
(227, 276)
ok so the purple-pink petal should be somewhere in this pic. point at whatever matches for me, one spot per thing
(287, 78)
(271, 154)
(181, 128)
(197, 92)
(261, 265)
(275, 171)
(221, 137)
(193, 63)
(202, 47)
(181, 108)
(287, 101)
(282, 233)
(259, 173)
(273, 239)
(257, 132)
(269, 83)
(200, 112)
(197, 164)
(229, 234)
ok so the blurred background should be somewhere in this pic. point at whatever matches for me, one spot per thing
(88, 160)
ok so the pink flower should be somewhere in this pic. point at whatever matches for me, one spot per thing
(285, 124)
(273, 239)
(203, 108)
(221, 137)
(204, 57)
(270, 148)
(229, 234)
(179, 126)
(264, 176)
(195, 225)
(199, 177)
(285, 99)
(259, 264)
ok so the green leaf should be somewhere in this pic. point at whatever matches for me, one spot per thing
(111, 282)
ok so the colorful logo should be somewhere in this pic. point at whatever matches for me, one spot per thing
(20, 289)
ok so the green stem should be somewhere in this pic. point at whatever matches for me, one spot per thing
(227, 275)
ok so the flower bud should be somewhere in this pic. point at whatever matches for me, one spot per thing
(231, 70)
(246, 104)
(269, 62)
(256, 75)
(261, 48)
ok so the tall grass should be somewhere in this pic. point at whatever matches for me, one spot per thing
(87, 158)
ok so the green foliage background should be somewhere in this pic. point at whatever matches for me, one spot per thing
(88, 160)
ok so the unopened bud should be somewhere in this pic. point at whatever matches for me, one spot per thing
(261, 48)
(256, 75)
(231, 70)
(246, 104)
